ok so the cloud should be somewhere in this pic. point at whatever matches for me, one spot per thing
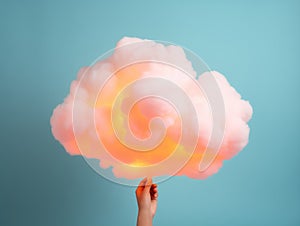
(145, 111)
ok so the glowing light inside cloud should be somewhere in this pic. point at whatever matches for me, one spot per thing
(145, 111)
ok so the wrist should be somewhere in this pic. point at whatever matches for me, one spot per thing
(144, 217)
(146, 212)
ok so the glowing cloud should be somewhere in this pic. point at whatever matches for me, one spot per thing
(145, 111)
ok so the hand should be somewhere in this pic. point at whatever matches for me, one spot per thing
(146, 195)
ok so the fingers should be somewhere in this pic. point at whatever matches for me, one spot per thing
(143, 182)
(141, 186)
(154, 192)
(146, 186)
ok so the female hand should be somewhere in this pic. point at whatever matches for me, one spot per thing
(146, 195)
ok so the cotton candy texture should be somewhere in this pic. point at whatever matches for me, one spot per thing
(142, 112)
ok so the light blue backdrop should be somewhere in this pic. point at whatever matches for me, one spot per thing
(44, 43)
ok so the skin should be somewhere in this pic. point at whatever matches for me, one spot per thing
(146, 196)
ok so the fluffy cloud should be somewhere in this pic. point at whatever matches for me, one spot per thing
(145, 111)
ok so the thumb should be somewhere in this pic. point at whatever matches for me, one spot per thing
(148, 185)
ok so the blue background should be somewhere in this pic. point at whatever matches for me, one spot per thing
(43, 45)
